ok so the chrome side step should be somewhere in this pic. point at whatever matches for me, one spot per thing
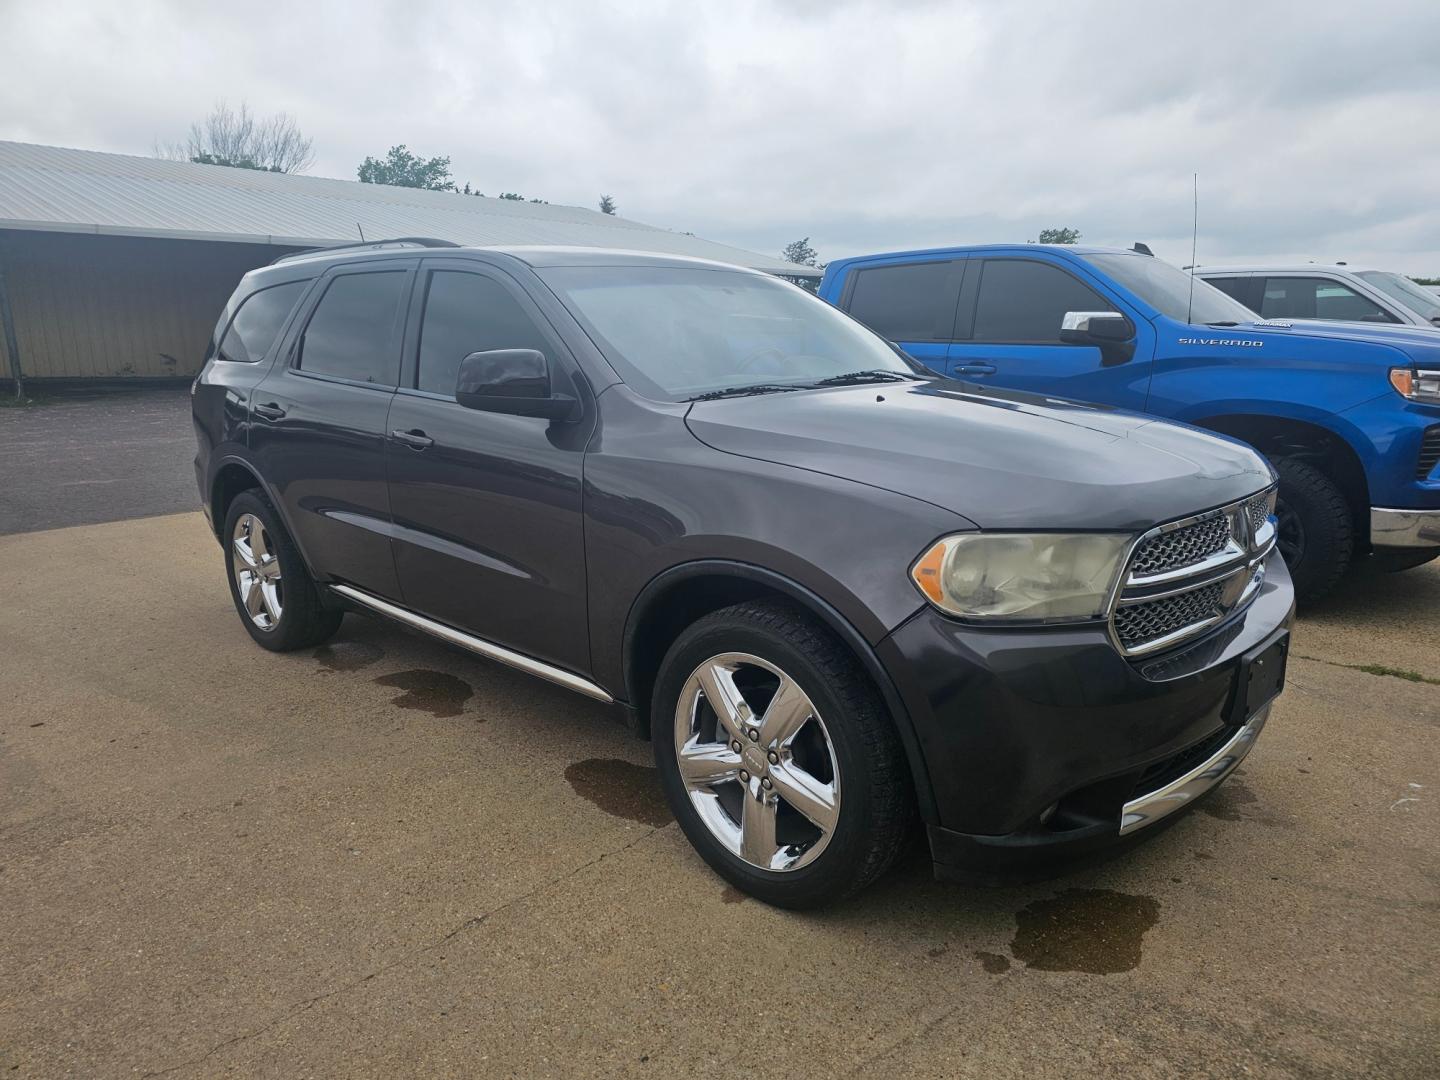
(484, 648)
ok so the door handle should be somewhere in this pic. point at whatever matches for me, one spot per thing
(415, 439)
(270, 411)
(975, 369)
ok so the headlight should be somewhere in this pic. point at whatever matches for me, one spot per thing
(1417, 385)
(1031, 576)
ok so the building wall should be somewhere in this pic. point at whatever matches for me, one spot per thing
(89, 306)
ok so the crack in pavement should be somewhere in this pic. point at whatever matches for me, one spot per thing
(469, 924)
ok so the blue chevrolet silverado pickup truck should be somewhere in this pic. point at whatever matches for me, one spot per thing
(1349, 414)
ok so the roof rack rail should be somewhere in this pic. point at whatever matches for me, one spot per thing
(398, 241)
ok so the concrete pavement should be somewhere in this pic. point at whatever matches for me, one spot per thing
(389, 858)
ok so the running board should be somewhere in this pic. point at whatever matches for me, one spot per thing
(487, 649)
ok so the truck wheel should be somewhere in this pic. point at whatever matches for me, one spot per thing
(1316, 530)
(778, 757)
(273, 592)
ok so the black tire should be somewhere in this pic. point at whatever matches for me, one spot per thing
(303, 620)
(1394, 561)
(1316, 528)
(876, 802)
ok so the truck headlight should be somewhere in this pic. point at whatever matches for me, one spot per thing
(1021, 576)
(1419, 385)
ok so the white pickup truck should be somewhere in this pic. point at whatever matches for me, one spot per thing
(1336, 291)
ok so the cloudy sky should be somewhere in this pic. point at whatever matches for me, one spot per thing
(1314, 125)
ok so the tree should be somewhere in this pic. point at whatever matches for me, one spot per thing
(241, 140)
(516, 197)
(607, 204)
(401, 168)
(1059, 236)
(800, 251)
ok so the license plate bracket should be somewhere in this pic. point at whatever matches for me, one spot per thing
(1262, 677)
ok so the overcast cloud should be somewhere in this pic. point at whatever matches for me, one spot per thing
(1314, 125)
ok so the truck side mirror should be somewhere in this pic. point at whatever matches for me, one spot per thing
(513, 381)
(1109, 331)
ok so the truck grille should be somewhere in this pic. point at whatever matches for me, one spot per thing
(1189, 575)
(1429, 453)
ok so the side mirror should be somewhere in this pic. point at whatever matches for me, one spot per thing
(1109, 331)
(513, 381)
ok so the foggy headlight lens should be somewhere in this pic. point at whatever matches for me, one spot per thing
(1040, 576)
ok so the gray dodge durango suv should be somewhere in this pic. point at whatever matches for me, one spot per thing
(837, 592)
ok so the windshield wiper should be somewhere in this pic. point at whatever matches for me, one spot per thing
(856, 378)
(746, 391)
(1231, 322)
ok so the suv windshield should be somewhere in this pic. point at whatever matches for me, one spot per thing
(1424, 304)
(678, 333)
(1167, 289)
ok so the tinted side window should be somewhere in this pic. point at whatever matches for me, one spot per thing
(1237, 288)
(467, 313)
(1317, 298)
(906, 303)
(258, 321)
(352, 332)
(1024, 301)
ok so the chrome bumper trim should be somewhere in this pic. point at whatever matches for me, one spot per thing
(487, 649)
(1404, 528)
(1150, 808)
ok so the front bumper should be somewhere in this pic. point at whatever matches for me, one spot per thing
(1045, 744)
(1404, 528)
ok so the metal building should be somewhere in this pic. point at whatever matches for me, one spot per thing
(115, 267)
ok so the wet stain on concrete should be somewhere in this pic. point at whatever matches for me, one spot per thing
(619, 788)
(434, 692)
(730, 894)
(994, 963)
(1096, 931)
(1225, 804)
(347, 655)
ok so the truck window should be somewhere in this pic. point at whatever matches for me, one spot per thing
(351, 335)
(913, 302)
(1024, 301)
(1318, 298)
(467, 313)
(1243, 289)
(258, 321)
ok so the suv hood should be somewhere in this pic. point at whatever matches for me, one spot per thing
(1003, 459)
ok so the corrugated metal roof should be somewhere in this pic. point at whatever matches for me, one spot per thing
(55, 188)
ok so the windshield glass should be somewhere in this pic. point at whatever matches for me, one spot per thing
(1167, 288)
(1413, 296)
(676, 333)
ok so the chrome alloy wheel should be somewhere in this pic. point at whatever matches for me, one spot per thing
(757, 762)
(257, 572)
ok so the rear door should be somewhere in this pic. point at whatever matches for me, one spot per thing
(911, 303)
(318, 422)
(1013, 308)
(489, 536)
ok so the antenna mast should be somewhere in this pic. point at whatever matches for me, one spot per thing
(1194, 242)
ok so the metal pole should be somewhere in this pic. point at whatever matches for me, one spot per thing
(12, 346)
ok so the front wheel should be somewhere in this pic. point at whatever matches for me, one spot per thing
(1315, 529)
(778, 757)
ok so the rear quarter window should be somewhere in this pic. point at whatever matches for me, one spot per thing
(257, 323)
(909, 302)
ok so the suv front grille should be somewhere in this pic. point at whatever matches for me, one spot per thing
(1181, 547)
(1138, 623)
(1429, 453)
(1189, 575)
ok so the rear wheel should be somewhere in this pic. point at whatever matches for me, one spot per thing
(1315, 530)
(273, 592)
(778, 757)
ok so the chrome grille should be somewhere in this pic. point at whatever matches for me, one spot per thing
(1258, 509)
(1137, 624)
(1189, 575)
(1181, 547)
